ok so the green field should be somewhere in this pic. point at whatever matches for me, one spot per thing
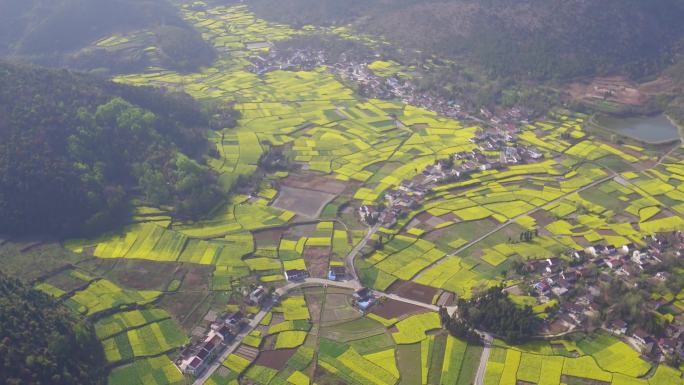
(583, 191)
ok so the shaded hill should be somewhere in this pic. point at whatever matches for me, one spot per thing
(538, 39)
(76, 148)
(42, 343)
(47, 31)
(675, 106)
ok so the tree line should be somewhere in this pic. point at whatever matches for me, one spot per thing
(491, 311)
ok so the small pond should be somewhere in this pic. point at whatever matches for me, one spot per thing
(650, 129)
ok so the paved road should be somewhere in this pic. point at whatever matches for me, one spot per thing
(309, 282)
(355, 284)
(512, 220)
(479, 377)
(357, 249)
(232, 347)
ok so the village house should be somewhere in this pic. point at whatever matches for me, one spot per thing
(196, 358)
(618, 327)
(368, 213)
(614, 263)
(667, 346)
(258, 295)
(542, 287)
(641, 336)
(575, 312)
(364, 298)
(578, 254)
(235, 322)
(337, 273)
(295, 275)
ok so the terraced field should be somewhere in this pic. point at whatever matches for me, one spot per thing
(462, 238)
(600, 358)
(377, 144)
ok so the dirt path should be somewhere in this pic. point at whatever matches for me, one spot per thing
(318, 334)
(662, 158)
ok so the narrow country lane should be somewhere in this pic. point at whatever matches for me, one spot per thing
(357, 249)
(479, 377)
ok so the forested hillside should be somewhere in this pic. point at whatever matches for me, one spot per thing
(47, 31)
(75, 149)
(42, 343)
(676, 106)
(538, 39)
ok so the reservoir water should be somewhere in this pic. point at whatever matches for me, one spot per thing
(650, 129)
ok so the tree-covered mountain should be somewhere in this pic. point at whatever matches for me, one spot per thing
(42, 343)
(537, 39)
(76, 148)
(675, 107)
(49, 32)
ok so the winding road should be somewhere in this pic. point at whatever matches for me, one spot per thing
(317, 282)
(355, 284)
(309, 282)
(357, 249)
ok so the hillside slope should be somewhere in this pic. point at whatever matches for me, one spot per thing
(42, 343)
(538, 39)
(75, 148)
(48, 31)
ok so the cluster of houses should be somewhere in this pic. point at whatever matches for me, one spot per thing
(369, 84)
(223, 329)
(670, 344)
(197, 357)
(604, 264)
(300, 60)
(410, 194)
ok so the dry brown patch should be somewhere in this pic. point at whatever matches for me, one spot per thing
(316, 259)
(314, 300)
(268, 236)
(390, 309)
(662, 215)
(581, 241)
(315, 182)
(247, 352)
(423, 217)
(414, 291)
(275, 359)
(307, 203)
(615, 89)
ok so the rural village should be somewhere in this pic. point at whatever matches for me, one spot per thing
(363, 224)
